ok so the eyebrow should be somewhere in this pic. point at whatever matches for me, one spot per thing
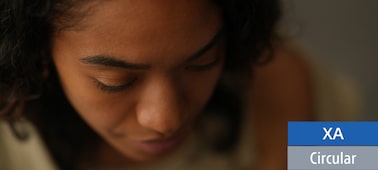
(111, 61)
(106, 60)
(206, 48)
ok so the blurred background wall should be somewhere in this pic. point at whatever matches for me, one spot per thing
(342, 35)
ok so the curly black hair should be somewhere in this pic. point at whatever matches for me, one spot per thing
(27, 88)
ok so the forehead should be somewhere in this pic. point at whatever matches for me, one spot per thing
(136, 28)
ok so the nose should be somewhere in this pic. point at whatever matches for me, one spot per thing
(160, 107)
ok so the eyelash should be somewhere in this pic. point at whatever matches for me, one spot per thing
(205, 66)
(113, 89)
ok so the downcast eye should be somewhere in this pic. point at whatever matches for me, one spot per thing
(207, 66)
(115, 88)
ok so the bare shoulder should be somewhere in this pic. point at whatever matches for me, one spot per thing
(287, 60)
(284, 83)
(281, 91)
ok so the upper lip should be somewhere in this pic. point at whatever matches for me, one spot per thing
(161, 140)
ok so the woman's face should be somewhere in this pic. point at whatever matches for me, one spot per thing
(139, 72)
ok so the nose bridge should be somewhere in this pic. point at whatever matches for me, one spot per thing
(160, 106)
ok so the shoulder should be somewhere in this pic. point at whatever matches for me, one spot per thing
(285, 82)
(287, 60)
(280, 91)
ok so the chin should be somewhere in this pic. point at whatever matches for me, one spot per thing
(138, 158)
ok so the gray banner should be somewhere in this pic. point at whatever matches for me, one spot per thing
(333, 157)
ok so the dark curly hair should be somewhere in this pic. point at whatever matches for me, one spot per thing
(27, 87)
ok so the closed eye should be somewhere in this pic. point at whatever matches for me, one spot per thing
(112, 89)
(204, 67)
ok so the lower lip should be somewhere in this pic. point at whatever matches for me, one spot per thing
(161, 147)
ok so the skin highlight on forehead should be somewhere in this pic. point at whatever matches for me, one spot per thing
(112, 61)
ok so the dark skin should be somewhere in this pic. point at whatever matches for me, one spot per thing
(288, 97)
(123, 72)
(139, 74)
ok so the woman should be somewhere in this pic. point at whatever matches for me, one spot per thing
(120, 84)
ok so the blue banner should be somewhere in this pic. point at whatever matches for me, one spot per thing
(333, 133)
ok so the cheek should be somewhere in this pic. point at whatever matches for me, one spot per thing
(100, 110)
(102, 113)
(201, 85)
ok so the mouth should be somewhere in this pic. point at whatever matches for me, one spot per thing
(161, 146)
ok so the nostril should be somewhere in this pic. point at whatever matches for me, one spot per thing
(165, 128)
(170, 132)
(164, 124)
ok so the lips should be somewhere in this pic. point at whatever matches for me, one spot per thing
(161, 146)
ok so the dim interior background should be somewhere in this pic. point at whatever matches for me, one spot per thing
(342, 35)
